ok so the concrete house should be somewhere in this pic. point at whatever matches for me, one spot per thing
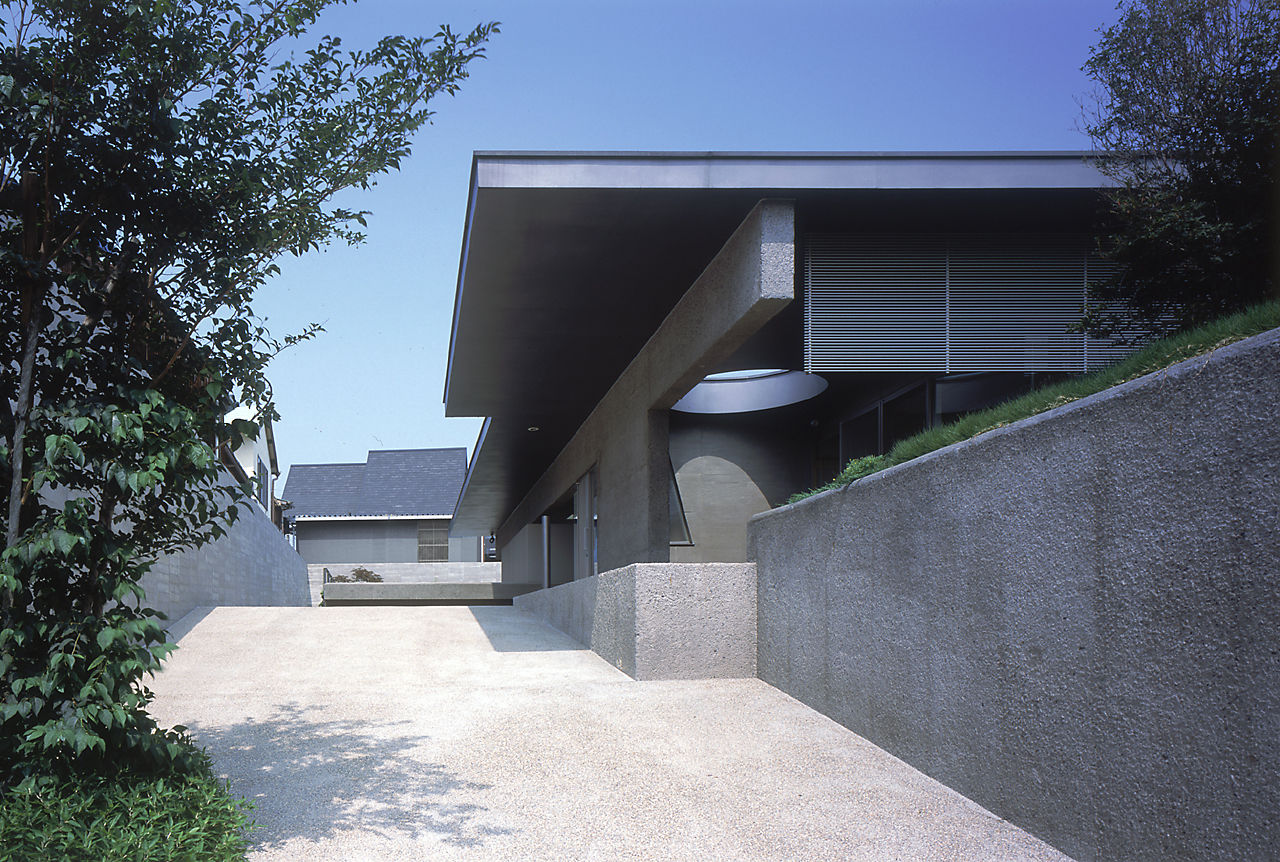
(393, 508)
(665, 344)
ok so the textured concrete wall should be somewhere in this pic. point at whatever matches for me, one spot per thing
(625, 436)
(253, 564)
(1073, 620)
(660, 620)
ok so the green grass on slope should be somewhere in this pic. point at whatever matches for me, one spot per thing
(136, 818)
(1153, 357)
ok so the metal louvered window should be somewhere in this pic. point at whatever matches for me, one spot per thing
(953, 302)
(433, 542)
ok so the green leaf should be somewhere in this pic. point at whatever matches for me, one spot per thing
(64, 541)
(107, 637)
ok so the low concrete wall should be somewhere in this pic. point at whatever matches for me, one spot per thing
(408, 573)
(660, 620)
(422, 594)
(253, 564)
(1073, 620)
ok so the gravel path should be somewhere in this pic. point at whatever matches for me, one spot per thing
(482, 734)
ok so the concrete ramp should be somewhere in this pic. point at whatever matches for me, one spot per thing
(451, 733)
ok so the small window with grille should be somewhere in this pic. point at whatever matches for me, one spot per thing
(264, 486)
(433, 542)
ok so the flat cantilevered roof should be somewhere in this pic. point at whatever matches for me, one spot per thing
(571, 260)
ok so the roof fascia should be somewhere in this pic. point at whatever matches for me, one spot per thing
(475, 455)
(473, 188)
(786, 171)
(271, 446)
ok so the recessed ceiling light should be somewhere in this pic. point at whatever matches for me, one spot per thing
(534, 428)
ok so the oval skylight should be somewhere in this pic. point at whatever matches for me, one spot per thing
(746, 374)
(749, 390)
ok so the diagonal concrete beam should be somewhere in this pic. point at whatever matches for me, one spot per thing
(624, 438)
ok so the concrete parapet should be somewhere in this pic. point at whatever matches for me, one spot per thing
(660, 620)
(1073, 620)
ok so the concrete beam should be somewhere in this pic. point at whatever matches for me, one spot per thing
(750, 280)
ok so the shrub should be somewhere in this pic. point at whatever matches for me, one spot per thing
(142, 818)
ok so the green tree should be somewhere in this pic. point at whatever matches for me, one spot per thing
(156, 159)
(1186, 112)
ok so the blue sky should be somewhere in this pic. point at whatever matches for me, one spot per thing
(623, 75)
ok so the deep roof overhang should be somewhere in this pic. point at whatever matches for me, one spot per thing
(570, 261)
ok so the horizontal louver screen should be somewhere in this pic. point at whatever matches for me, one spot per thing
(1013, 299)
(956, 302)
(875, 302)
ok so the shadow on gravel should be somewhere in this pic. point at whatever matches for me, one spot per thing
(509, 631)
(317, 779)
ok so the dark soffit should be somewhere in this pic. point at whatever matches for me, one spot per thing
(570, 261)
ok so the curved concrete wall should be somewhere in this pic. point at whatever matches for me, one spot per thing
(1074, 620)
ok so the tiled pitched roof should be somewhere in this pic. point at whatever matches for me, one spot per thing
(390, 482)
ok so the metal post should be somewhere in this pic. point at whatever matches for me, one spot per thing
(546, 552)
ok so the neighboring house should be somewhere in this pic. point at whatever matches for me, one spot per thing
(665, 344)
(393, 508)
(254, 461)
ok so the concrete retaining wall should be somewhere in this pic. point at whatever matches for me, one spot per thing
(1074, 620)
(253, 564)
(660, 620)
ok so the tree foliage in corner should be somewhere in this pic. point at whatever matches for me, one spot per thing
(1187, 111)
(156, 158)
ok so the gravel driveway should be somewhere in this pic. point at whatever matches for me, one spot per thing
(481, 734)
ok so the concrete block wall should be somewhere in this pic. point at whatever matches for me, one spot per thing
(253, 564)
(660, 620)
(1073, 620)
